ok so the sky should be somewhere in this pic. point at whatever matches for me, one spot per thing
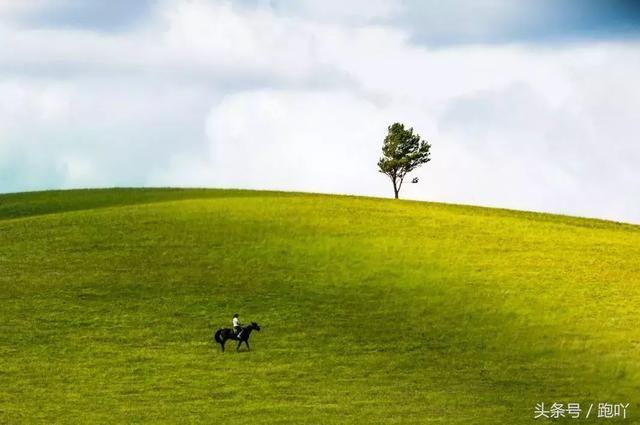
(529, 104)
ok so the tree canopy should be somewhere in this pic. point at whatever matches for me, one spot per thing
(402, 152)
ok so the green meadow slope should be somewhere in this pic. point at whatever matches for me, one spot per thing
(372, 310)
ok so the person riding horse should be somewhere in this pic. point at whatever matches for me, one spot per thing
(221, 336)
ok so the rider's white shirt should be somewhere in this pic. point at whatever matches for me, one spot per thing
(236, 322)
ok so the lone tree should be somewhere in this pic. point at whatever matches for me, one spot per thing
(402, 152)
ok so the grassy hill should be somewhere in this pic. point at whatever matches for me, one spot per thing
(372, 310)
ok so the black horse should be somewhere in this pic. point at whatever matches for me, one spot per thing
(223, 335)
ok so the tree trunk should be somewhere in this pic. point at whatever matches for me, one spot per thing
(396, 189)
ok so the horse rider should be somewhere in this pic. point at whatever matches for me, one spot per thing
(237, 327)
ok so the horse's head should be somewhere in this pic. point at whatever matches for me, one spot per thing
(255, 326)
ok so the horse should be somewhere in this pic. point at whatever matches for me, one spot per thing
(223, 334)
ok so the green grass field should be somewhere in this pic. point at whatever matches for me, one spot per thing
(372, 310)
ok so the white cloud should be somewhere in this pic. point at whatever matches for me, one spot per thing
(337, 11)
(219, 38)
(298, 140)
(13, 7)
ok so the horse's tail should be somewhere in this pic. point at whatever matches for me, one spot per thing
(217, 336)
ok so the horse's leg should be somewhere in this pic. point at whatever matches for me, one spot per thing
(247, 344)
(239, 344)
(222, 345)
